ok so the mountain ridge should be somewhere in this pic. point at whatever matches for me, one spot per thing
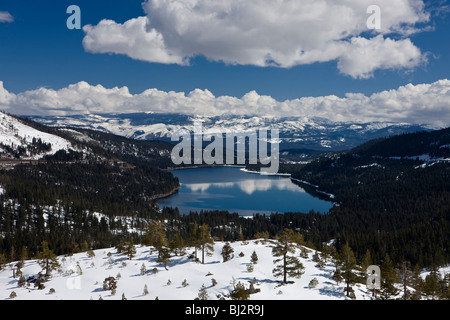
(295, 132)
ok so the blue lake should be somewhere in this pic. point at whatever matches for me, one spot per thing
(235, 190)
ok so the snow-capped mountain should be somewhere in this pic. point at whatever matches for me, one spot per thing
(295, 132)
(17, 139)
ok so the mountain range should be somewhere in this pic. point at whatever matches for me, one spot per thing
(295, 132)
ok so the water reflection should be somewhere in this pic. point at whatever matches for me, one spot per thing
(248, 186)
(232, 189)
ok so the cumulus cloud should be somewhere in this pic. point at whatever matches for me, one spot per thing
(420, 104)
(362, 56)
(263, 33)
(6, 17)
(130, 38)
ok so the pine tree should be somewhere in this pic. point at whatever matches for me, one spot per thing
(119, 247)
(24, 254)
(3, 261)
(337, 276)
(90, 253)
(283, 250)
(326, 253)
(366, 262)
(156, 235)
(143, 270)
(388, 277)
(194, 239)
(202, 293)
(316, 256)
(347, 263)
(227, 251)
(47, 260)
(205, 241)
(164, 257)
(109, 283)
(303, 253)
(239, 292)
(130, 249)
(21, 281)
(177, 245)
(446, 286)
(417, 282)
(254, 258)
(85, 246)
(431, 287)
(145, 290)
(406, 276)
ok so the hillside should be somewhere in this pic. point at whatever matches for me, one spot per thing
(52, 179)
(81, 277)
(101, 145)
(423, 145)
(392, 197)
(20, 141)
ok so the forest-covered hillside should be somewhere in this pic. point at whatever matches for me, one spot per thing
(91, 190)
(393, 196)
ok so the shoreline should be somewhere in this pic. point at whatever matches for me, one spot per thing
(157, 197)
(330, 195)
(200, 166)
(266, 174)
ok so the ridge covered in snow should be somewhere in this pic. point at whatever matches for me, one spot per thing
(15, 134)
(316, 133)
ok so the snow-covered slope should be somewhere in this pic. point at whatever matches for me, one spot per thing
(86, 281)
(15, 134)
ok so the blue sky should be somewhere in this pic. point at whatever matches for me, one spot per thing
(37, 50)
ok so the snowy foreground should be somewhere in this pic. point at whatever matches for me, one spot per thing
(81, 277)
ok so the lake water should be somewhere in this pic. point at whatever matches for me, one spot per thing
(235, 190)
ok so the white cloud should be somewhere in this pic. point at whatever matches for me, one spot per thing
(362, 57)
(6, 17)
(282, 33)
(6, 98)
(420, 104)
(129, 38)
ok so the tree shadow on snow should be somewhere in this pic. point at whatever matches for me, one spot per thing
(330, 291)
(265, 280)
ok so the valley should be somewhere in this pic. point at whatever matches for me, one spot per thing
(79, 188)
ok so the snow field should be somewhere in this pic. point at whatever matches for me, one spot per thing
(69, 284)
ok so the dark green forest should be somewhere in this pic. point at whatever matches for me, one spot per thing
(388, 201)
